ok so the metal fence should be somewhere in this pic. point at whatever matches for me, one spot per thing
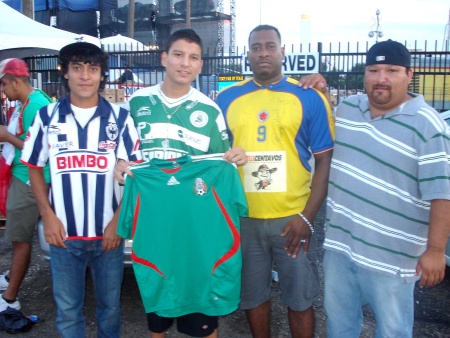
(342, 65)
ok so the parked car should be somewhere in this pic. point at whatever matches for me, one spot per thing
(446, 116)
(45, 247)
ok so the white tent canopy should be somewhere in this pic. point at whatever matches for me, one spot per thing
(122, 43)
(22, 37)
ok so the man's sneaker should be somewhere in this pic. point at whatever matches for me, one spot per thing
(4, 304)
(3, 282)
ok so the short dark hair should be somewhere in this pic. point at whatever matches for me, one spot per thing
(188, 35)
(84, 55)
(264, 28)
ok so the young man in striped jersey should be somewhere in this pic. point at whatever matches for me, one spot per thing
(388, 200)
(81, 137)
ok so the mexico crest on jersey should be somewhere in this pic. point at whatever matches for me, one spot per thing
(200, 187)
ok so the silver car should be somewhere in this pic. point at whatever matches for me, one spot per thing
(446, 116)
(45, 247)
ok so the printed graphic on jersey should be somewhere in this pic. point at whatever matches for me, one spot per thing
(264, 176)
(198, 119)
(265, 172)
(200, 187)
(112, 131)
(263, 116)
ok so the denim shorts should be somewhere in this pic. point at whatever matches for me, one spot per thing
(262, 246)
(22, 210)
(349, 286)
(192, 324)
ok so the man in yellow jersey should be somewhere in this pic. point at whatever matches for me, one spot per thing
(280, 125)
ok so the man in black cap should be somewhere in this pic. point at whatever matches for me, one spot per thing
(388, 200)
(81, 137)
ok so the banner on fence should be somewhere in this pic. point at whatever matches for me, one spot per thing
(303, 63)
(130, 89)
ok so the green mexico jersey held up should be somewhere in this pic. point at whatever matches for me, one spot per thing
(170, 128)
(183, 217)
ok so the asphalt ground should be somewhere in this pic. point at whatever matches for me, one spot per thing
(432, 305)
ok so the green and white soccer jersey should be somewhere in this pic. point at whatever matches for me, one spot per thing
(183, 217)
(170, 128)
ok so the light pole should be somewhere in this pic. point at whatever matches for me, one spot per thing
(377, 33)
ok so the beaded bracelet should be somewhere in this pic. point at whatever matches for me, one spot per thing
(308, 223)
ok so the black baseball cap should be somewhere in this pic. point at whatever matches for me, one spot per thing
(80, 47)
(388, 52)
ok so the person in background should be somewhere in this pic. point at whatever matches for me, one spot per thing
(388, 200)
(281, 126)
(21, 208)
(81, 137)
(126, 77)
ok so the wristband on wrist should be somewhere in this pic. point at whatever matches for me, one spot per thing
(308, 223)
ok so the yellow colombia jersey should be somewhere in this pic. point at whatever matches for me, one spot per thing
(280, 126)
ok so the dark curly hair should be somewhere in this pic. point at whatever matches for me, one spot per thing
(84, 55)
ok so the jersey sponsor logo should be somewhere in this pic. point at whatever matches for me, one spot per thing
(144, 129)
(191, 105)
(200, 187)
(270, 158)
(112, 131)
(107, 145)
(152, 99)
(61, 145)
(53, 130)
(144, 111)
(187, 137)
(263, 116)
(161, 153)
(199, 118)
(81, 161)
(266, 172)
(172, 181)
(225, 135)
(165, 144)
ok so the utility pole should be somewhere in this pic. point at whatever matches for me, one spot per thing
(28, 8)
(188, 13)
(131, 19)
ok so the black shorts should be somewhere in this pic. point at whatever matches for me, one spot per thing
(193, 324)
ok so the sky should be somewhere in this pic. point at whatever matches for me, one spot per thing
(345, 20)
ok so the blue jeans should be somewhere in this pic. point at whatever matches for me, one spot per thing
(68, 266)
(349, 286)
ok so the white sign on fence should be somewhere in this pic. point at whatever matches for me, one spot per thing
(303, 63)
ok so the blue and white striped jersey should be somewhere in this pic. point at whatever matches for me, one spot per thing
(84, 194)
